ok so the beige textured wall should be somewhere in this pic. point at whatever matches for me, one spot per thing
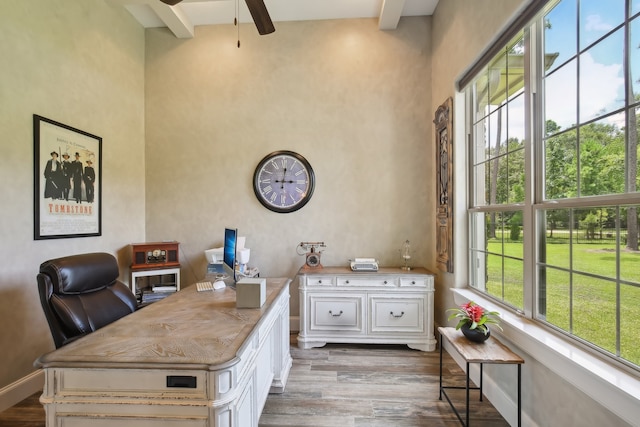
(353, 100)
(79, 63)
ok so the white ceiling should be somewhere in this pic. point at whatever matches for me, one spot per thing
(183, 17)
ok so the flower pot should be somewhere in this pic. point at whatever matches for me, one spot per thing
(475, 335)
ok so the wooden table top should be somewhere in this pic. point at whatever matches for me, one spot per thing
(186, 330)
(490, 351)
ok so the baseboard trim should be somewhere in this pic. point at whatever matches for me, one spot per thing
(21, 389)
(294, 324)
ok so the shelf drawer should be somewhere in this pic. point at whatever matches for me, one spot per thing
(406, 314)
(330, 313)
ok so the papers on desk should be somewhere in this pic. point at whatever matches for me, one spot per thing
(164, 289)
(157, 293)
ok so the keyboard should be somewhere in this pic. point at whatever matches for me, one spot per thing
(204, 286)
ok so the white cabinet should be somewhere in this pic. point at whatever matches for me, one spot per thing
(390, 306)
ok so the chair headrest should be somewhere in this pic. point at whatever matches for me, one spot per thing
(77, 274)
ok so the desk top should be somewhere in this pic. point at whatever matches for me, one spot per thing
(490, 351)
(186, 330)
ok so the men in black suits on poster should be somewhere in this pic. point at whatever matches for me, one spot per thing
(89, 180)
(53, 177)
(66, 176)
(76, 177)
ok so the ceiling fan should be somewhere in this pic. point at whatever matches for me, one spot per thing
(258, 11)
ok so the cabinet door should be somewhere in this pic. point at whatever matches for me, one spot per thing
(331, 313)
(404, 313)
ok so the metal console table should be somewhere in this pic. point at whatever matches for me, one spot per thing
(491, 351)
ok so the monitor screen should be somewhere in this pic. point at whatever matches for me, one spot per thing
(230, 243)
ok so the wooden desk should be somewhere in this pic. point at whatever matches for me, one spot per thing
(192, 359)
(491, 351)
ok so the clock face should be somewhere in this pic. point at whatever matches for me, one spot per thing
(283, 181)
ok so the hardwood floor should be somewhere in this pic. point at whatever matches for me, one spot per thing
(347, 385)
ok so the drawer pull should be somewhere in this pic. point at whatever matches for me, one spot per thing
(347, 282)
(413, 282)
(397, 315)
(319, 282)
(385, 282)
(339, 314)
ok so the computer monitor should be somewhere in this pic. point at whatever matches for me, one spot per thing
(230, 247)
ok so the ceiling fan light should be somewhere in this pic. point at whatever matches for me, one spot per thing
(171, 2)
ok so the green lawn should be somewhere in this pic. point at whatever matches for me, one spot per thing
(594, 299)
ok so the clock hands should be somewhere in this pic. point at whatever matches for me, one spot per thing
(284, 181)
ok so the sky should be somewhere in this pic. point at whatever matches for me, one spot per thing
(597, 75)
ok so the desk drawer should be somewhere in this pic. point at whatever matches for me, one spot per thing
(77, 420)
(404, 314)
(330, 313)
(132, 382)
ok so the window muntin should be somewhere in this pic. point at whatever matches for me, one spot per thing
(585, 202)
(634, 60)
(496, 255)
(589, 282)
(601, 77)
(561, 85)
(597, 18)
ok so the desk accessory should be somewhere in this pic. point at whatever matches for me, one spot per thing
(204, 286)
(154, 255)
(312, 253)
(364, 264)
(251, 292)
(405, 252)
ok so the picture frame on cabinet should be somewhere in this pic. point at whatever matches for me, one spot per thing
(67, 181)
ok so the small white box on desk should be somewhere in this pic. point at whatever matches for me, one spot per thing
(251, 292)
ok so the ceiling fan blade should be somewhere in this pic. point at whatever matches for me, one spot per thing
(171, 2)
(260, 16)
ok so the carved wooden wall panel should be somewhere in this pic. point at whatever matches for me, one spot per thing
(444, 169)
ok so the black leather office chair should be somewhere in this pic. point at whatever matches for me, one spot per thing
(81, 293)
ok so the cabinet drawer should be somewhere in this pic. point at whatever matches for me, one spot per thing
(416, 282)
(404, 314)
(319, 280)
(342, 313)
(366, 281)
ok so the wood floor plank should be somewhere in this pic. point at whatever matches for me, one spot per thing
(348, 385)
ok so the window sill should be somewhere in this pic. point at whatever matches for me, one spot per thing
(612, 387)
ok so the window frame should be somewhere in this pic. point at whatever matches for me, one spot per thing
(534, 204)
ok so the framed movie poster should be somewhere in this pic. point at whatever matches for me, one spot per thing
(67, 181)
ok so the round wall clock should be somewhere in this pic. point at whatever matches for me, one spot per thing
(283, 181)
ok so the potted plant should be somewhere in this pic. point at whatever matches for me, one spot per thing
(473, 320)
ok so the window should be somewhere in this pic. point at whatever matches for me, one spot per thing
(554, 200)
